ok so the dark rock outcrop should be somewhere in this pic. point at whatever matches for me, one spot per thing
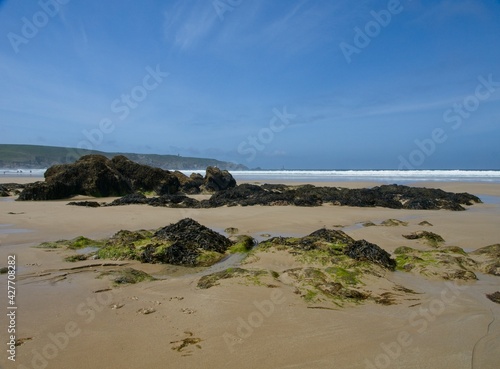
(362, 250)
(131, 199)
(431, 238)
(3, 191)
(145, 178)
(333, 243)
(332, 236)
(389, 196)
(495, 296)
(87, 204)
(98, 176)
(191, 234)
(170, 201)
(217, 180)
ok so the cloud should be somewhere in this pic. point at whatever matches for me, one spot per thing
(187, 23)
(289, 28)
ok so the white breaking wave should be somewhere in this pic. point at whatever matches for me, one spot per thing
(372, 175)
(329, 175)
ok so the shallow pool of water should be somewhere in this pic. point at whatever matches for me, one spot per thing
(8, 229)
(490, 199)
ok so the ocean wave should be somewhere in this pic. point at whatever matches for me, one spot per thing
(372, 175)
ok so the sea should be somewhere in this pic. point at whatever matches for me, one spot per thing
(307, 176)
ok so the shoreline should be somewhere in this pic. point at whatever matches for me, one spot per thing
(296, 334)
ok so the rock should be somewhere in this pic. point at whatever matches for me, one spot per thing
(189, 240)
(450, 263)
(425, 223)
(332, 235)
(491, 251)
(184, 243)
(174, 201)
(169, 201)
(495, 297)
(231, 230)
(193, 184)
(145, 178)
(389, 196)
(88, 204)
(363, 250)
(393, 223)
(431, 238)
(488, 258)
(248, 194)
(91, 175)
(213, 279)
(188, 231)
(243, 243)
(4, 192)
(217, 180)
(8, 189)
(98, 176)
(127, 276)
(131, 199)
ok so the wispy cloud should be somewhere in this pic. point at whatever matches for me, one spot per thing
(187, 23)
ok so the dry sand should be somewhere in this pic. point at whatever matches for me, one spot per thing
(235, 325)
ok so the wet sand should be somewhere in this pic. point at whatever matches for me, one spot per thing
(236, 325)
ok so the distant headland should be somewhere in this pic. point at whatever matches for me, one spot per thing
(37, 157)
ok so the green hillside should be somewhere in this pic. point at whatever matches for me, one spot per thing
(38, 157)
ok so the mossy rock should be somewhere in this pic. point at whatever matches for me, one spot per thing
(448, 264)
(81, 242)
(344, 275)
(231, 230)
(207, 258)
(51, 245)
(74, 244)
(453, 249)
(431, 238)
(243, 244)
(74, 258)
(393, 223)
(316, 285)
(213, 279)
(492, 251)
(127, 276)
(404, 250)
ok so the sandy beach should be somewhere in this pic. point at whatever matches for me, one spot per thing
(68, 323)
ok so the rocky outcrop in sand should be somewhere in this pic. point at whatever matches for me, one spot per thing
(389, 196)
(98, 176)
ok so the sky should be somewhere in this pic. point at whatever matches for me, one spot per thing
(323, 84)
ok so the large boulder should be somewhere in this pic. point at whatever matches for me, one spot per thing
(146, 178)
(217, 180)
(92, 175)
(98, 176)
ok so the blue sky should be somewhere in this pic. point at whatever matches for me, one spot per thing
(325, 84)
